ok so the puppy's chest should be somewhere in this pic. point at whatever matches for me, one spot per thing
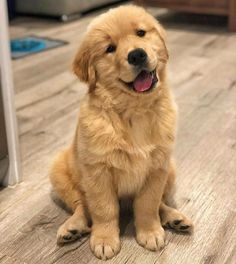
(141, 136)
(137, 145)
(134, 161)
(130, 170)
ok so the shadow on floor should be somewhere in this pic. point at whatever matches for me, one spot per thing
(126, 219)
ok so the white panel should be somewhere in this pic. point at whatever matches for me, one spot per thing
(13, 175)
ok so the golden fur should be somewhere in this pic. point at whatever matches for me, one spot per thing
(124, 140)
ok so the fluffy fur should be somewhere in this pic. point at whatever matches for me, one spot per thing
(124, 140)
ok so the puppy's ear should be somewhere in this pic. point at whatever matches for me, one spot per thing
(83, 66)
(162, 35)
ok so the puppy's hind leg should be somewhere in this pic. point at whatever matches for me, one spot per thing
(61, 178)
(171, 217)
(169, 191)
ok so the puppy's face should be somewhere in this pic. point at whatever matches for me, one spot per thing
(123, 49)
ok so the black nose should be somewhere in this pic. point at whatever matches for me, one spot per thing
(137, 57)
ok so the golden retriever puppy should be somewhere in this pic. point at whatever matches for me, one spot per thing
(124, 138)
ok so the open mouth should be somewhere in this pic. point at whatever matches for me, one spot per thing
(144, 82)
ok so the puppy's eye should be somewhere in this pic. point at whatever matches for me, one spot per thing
(141, 33)
(111, 48)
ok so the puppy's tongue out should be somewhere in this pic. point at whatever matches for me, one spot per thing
(143, 81)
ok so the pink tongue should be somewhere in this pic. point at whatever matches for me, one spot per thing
(143, 81)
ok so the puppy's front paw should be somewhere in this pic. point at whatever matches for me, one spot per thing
(105, 246)
(151, 239)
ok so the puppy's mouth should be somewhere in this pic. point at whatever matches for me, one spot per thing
(144, 82)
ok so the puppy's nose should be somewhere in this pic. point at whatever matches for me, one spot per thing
(137, 57)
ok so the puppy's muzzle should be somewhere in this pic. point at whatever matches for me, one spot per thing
(137, 57)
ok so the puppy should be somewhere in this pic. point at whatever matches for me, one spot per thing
(124, 138)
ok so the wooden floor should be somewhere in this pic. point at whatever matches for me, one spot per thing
(203, 79)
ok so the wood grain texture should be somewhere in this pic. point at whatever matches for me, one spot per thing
(203, 78)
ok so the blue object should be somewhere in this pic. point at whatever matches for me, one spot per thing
(27, 45)
(32, 44)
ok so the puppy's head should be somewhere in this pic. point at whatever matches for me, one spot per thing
(123, 49)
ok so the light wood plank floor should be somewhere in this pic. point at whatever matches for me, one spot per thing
(203, 78)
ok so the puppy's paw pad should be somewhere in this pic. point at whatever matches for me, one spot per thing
(66, 237)
(151, 240)
(68, 232)
(105, 247)
(177, 221)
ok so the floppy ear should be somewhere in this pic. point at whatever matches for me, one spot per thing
(162, 35)
(83, 66)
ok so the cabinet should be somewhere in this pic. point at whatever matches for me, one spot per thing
(215, 7)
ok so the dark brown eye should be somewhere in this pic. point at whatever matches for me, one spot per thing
(141, 33)
(111, 48)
